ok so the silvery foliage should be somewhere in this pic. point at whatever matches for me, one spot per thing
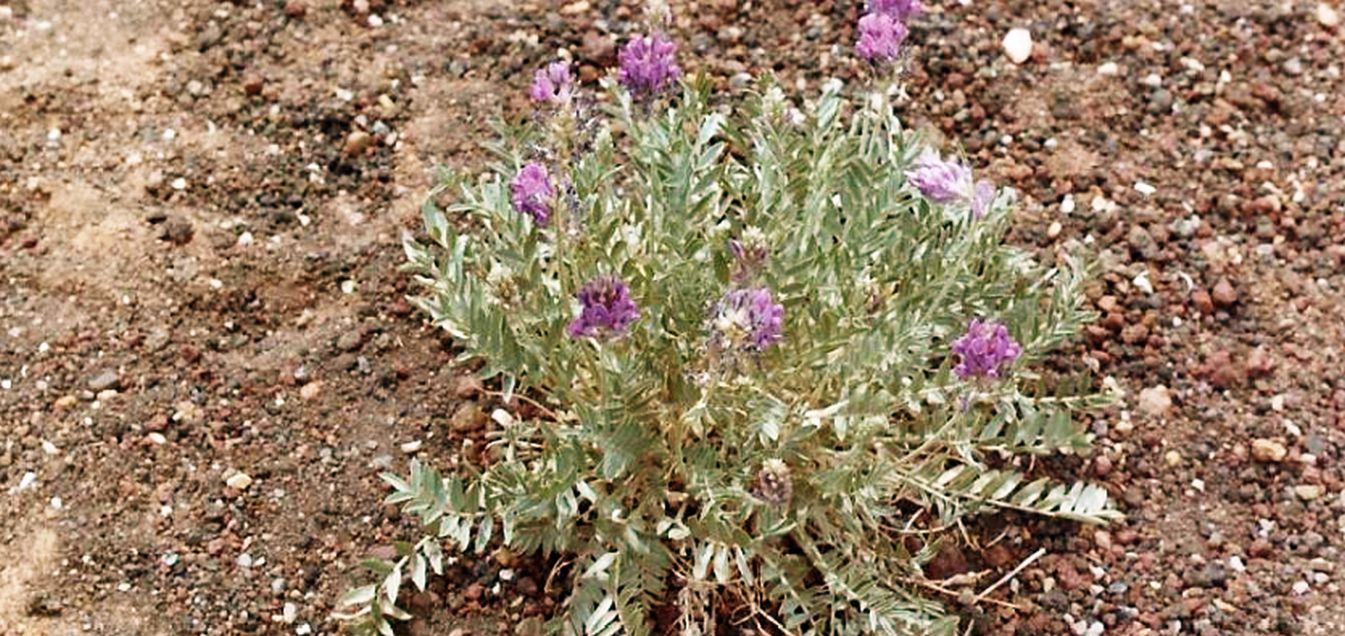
(641, 462)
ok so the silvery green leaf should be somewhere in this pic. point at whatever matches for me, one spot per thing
(701, 566)
(393, 583)
(418, 567)
(605, 614)
(435, 554)
(599, 567)
(359, 596)
(721, 565)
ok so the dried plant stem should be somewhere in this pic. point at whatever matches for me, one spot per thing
(1012, 573)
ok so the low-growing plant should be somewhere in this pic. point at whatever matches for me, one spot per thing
(757, 361)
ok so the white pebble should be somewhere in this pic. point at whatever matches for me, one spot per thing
(245, 239)
(158, 439)
(245, 560)
(28, 480)
(56, 503)
(348, 286)
(239, 481)
(1067, 205)
(6, 384)
(1301, 588)
(54, 135)
(49, 448)
(1109, 69)
(1141, 282)
(1153, 80)
(411, 447)
(1018, 45)
(1144, 188)
(169, 134)
(1327, 16)
(179, 184)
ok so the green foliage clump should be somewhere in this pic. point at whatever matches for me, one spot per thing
(798, 486)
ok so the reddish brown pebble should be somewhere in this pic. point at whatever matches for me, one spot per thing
(1224, 295)
(253, 84)
(1201, 299)
(296, 8)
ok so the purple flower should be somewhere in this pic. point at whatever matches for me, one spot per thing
(531, 192)
(648, 64)
(985, 350)
(607, 309)
(982, 198)
(880, 37)
(552, 84)
(940, 180)
(949, 181)
(748, 318)
(899, 9)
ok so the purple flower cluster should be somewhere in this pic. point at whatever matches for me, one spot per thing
(648, 64)
(899, 9)
(985, 350)
(949, 181)
(882, 30)
(531, 192)
(553, 84)
(748, 318)
(880, 37)
(607, 309)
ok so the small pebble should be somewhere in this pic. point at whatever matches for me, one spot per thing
(1155, 400)
(1018, 45)
(1268, 451)
(296, 8)
(1327, 15)
(239, 481)
(1308, 492)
